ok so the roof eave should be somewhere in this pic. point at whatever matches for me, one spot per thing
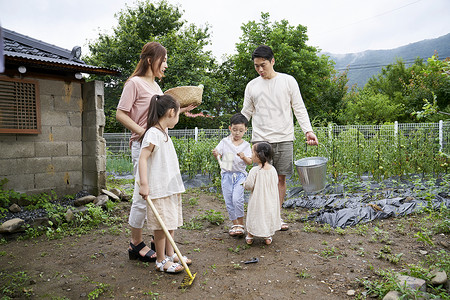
(61, 66)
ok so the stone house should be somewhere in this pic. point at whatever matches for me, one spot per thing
(51, 119)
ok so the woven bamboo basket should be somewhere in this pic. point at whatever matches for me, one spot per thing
(186, 95)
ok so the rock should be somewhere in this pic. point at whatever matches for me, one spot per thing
(15, 208)
(84, 200)
(40, 222)
(423, 252)
(70, 216)
(351, 292)
(126, 197)
(101, 200)
(445, 244)
(12, 225)
(392, 295)
(412, 282)
(116, 192)
(440, 277)
(110, 195)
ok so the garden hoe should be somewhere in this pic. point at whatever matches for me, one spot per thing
(189, 278)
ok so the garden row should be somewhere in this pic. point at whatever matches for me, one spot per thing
(378, 151)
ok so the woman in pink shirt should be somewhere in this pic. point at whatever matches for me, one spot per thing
(132, 112)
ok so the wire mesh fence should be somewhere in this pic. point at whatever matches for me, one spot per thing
(379, 150)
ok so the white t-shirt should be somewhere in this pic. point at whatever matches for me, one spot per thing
(226, 146)
(270, 102)
(164, 177)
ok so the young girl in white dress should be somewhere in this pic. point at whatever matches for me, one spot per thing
(263, 211)
(159, 179)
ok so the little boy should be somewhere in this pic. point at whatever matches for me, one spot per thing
(234, 154)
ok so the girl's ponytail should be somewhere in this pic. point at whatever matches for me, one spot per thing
(159, 105)
(264, 152)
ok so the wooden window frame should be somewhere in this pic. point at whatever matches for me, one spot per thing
(19, 109)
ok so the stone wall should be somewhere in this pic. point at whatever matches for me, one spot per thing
(54, 160)
(94, 145)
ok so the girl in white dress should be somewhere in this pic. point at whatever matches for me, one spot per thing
(159, 179)
(263, 211)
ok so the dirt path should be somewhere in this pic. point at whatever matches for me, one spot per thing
(305, 262)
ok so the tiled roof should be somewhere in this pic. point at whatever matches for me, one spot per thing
(24, 49)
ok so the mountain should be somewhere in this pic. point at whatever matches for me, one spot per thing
(363, 65)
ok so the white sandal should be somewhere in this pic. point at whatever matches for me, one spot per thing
(237, 230)
(175, 257)
(284, 226)
(171, 269)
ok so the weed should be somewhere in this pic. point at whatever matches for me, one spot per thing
(292, 217)
(115, 230)
(361, 229)
(385, 253)
(329, 252)
(303, 274)
(100, 289)
(400, 228)
(237, 266)
(326, 228)
(245, 247)
(214, 217)
(380, 235)
(192, 224)
(361, 252)
(439, 260)
(340, 231)
(309, 228)
(193, 201)
(235, 250)
(425, 237)
(14, 284)
(418, 271)
(153, 295)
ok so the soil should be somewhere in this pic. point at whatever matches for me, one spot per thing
(299, 264)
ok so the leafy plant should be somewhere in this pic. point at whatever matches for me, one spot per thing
(15, 284)
(303, 274)
(214, 217)
(100, 289)
(192, 224)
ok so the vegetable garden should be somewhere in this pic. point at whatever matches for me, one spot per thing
(380, 151)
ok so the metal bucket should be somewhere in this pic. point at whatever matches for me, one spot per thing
(313, 173)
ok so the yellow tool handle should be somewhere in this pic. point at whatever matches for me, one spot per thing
(169, 236)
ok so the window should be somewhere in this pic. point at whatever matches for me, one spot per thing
(19, 106)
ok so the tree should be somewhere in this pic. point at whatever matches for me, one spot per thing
(120, 50)
(189, 63)
(315, 74)
(368, 107)
(430, 87)
(410, 87)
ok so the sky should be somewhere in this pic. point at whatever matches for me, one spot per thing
(335, 26)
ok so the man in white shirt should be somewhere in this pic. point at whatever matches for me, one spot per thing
(270, 99)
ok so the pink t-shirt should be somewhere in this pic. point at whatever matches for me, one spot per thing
(135, 100)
